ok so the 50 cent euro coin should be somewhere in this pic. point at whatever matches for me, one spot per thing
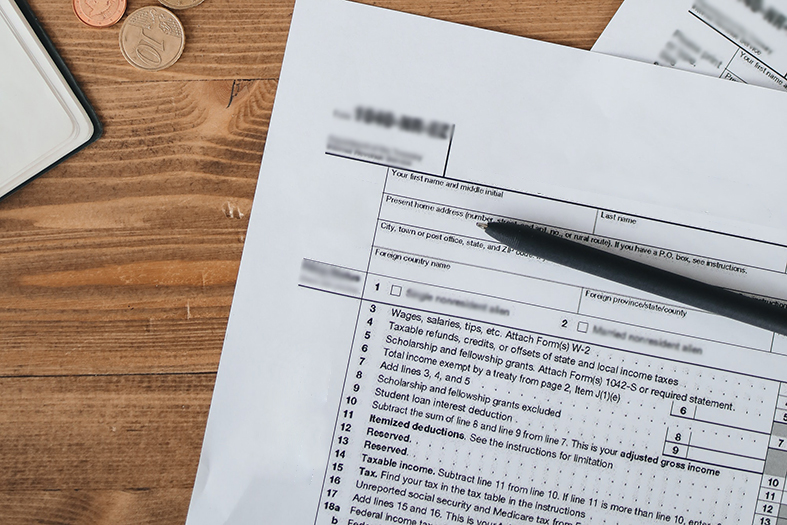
(181, 4)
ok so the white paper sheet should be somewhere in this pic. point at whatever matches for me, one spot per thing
(385, 362)
(738, 40)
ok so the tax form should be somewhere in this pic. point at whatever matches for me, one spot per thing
(387, 363)
(739, 40)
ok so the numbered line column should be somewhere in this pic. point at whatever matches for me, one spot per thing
(772, 502)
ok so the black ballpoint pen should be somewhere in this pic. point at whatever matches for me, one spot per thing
(638, 275)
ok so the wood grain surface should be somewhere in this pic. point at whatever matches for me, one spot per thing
(117, 268)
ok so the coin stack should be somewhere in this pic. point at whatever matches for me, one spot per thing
(151, 38)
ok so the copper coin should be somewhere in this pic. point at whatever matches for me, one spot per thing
(99, 13)
(181, 4)
(152, 38)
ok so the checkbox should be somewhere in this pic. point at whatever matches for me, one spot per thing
(396, 290)
(582, 326)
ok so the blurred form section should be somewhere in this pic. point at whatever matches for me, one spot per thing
(740, 40)
(373, 152)
(714, 14)
(331, 278)
(387, 137)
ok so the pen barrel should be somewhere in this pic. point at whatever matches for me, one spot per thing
(641, 276)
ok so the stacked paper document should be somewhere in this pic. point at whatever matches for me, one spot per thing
(386, 362)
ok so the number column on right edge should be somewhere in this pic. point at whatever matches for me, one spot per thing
(771, 502)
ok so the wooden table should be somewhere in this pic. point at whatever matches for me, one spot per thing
(117, 268)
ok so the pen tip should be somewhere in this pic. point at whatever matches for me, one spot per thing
(482, 225)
